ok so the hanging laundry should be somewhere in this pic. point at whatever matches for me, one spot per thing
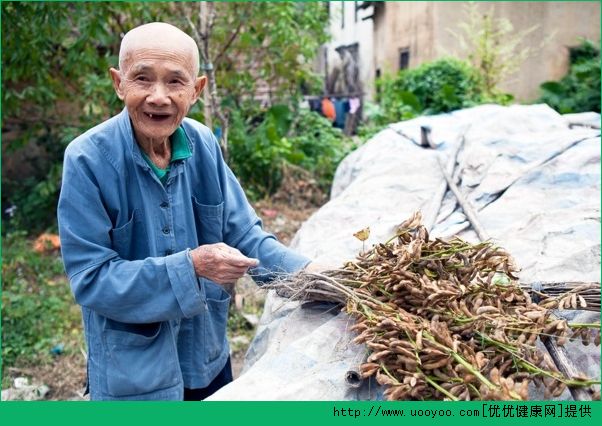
(354, 105)
(328, 109)
(341, 107)
(315, 104)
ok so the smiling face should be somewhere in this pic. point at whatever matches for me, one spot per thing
(157, 79)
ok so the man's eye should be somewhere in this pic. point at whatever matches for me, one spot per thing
(176, 82)
(141, 78)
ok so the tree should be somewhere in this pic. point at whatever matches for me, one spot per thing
(203, 33)
(56, 85)
(493, 46)
(246, 52)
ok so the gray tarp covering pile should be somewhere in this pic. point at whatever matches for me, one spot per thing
(534, 181)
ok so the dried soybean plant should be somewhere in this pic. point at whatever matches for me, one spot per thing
(580, 296)
(444, 319)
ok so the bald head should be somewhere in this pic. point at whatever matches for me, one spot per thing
(158, 36)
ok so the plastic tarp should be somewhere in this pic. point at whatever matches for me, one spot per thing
(532, 175)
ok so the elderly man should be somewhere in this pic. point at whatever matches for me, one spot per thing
(151, 222)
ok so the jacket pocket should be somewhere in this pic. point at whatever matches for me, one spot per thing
(208, 220)
(141, 359)
(125, 238)
(218, 302)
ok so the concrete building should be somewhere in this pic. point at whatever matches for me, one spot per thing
(350, 50)
(407, 34)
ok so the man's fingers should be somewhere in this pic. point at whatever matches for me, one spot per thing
(241, 261)
(229, 277)
(235, 271)
(234, 257)
(233, 277)
(221, 263)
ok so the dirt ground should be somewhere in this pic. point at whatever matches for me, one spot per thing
(65, 374)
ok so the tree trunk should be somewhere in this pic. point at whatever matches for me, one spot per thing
(202, 35)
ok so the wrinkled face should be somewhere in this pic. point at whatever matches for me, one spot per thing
(158, 87)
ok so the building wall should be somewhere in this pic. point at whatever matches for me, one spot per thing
(425, 27)
(558, 27)
(400, 25)
(353, 31)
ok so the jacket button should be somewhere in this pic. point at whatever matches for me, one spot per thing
(164, 204)
(166, 230)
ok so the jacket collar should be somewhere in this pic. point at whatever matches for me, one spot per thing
(127, 133)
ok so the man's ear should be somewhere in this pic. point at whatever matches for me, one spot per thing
(199, 85)
(116, 77)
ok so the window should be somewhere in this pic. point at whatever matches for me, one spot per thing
(404, 58)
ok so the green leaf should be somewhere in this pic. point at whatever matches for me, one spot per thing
(410, 99)
(553, 87)
(449, 95)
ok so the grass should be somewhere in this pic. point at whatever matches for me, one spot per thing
(240, 331)
(38, 311)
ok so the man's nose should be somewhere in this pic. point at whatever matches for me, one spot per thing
(159, 95)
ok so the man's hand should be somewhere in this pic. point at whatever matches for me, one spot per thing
(220, 263)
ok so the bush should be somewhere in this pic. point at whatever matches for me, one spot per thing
(434, 87)
(440, 86)
(264, 142)
(579, 90)
(318, 147)
(257, 148)
(38, 311)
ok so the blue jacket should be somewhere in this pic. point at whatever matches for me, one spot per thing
(152, 326)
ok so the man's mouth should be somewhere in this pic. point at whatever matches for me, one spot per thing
(158, 117)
